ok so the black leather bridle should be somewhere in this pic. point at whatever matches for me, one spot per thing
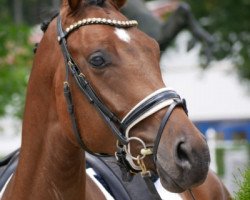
(117, 126)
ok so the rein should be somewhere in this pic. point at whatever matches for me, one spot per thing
(151, 104)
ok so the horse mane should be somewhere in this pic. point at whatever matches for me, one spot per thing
(44, 26)
(45, 23)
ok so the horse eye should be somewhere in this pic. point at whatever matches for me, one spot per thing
(97, 60)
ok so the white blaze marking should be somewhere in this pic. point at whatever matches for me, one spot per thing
(122, 34)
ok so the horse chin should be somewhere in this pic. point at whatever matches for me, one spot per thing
(167, 181)
(177, 181)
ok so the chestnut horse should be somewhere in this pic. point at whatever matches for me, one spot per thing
(96, 86)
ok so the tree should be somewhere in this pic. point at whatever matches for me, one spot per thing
(165, 31)
(18, 14)
(228, 20)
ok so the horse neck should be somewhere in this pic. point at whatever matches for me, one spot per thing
(50, 166)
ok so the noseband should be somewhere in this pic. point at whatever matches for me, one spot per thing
(151, 104)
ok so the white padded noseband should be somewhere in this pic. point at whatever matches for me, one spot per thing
(151, 111)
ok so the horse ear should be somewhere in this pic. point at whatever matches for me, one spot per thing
(119, 3)
(74, 4)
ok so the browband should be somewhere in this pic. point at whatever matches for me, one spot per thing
(104, 21)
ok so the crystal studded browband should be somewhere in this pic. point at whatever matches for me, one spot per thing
(89, 21)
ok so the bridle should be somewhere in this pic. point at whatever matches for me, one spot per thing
(151, 104)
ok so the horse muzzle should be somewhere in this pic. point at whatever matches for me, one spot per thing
(184, 167)
(184, 161)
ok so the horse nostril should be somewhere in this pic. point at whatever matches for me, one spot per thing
(182, 159)
(181, 152)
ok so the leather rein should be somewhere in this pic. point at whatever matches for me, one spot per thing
(151, 104)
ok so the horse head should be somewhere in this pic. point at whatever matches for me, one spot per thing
(110, 72)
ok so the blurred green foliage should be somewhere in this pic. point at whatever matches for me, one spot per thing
(244, 191)
(15, 63)
(229, 22)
